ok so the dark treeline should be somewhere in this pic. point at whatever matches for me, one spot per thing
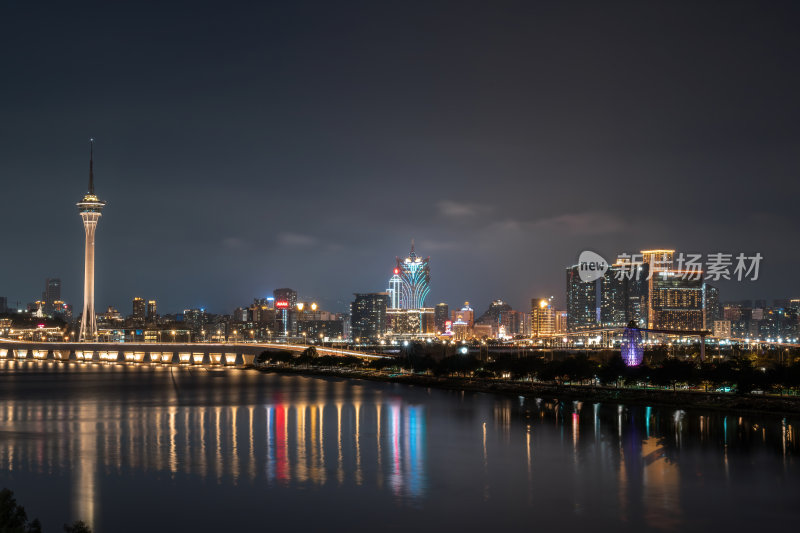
(740, 374)
(14, 518)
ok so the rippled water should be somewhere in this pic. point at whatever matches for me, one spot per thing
(134, 448)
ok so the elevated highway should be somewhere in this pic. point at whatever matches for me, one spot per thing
(224, 354)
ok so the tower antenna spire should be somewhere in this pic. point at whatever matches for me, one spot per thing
(412, 248)
(91, 166)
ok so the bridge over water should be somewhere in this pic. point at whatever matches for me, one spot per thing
(227, 354)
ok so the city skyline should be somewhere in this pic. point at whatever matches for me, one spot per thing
(487, 265)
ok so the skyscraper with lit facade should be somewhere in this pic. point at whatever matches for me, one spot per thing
(624, 294)
(139, 308)
(368, 315)
(90, 209)
(395, 290)
(415, 275)
(676, 302)
(581, 301)
(152, 310)
(543, 317)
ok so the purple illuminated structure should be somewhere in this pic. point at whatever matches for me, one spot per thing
(631, 346)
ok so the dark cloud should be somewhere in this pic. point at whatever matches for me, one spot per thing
(249, 145)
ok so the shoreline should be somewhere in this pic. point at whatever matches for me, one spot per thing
(771, 405)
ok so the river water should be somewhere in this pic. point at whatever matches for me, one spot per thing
(151, 448)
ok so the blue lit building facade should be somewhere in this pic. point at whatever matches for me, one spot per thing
(415, 275)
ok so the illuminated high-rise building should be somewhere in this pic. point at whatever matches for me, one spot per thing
(286, 295)
(415, 274)
(465, 315)
(152, 310)
(543, 317)
(676, 302)
(561, 322)
(395, 289)
(624, 294)
(286, 311)
(441, 314)
(676, 299)
(581, 301)
(139, 308)
(368, 316)
(713, 310)
(90, 209)
(656, 261)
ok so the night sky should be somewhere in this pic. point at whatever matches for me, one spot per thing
(243, 147)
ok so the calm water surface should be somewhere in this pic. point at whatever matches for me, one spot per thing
(135, 448)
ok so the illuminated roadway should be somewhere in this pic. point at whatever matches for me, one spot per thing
(181, 353)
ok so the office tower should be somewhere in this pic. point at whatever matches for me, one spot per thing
(581, 301)
(543, 317)
(90, 209)
(139, 308)
(368, 315)
(3, 304)
(441, 315)
(415, 274)
(152, 310)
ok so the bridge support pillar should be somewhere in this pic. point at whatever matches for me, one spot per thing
(702, 348)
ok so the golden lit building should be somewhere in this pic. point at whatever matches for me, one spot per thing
(543, 317)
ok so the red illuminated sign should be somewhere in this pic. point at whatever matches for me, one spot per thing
(282, 304)
(396, 270)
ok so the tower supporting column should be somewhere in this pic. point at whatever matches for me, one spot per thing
(90, 210)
